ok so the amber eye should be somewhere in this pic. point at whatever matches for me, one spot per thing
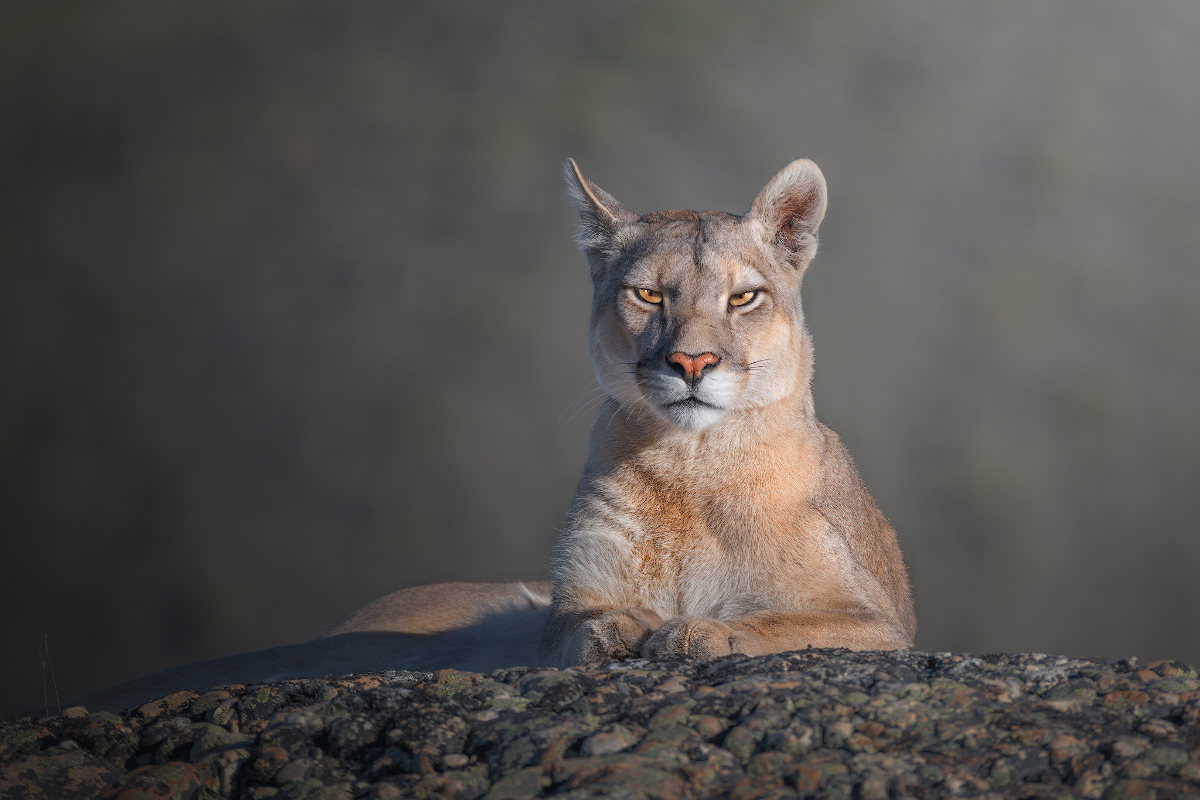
(741, 298)
(650, 296)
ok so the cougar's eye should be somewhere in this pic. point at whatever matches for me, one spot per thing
(650, 295)
(741, 298)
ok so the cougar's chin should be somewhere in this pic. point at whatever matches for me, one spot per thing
(692, 414)
(692, 409)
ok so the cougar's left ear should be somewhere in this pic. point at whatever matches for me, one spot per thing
(602, 218)
(790, 210)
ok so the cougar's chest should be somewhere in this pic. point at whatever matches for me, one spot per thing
(719, 542)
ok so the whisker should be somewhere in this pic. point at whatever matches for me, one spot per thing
(594, 393)
(588, 406)
(579, 400)
(628, 407)
(616, 409)
(641, 399)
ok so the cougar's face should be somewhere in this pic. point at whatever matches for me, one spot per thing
(698, 318)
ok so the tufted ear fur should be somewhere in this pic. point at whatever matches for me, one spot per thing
(791, 208)
(602, 218)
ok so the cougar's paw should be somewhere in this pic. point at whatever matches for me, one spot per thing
(698, 637)
(614, 635)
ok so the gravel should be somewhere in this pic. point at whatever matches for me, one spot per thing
(813, 723)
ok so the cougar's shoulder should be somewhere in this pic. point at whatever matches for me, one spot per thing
(845, 502)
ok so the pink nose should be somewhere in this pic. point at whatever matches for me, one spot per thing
(693, 366)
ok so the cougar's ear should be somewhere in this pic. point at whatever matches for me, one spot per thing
(603, 220)
(790, 210)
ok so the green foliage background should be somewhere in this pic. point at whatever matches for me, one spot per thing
(291, 318)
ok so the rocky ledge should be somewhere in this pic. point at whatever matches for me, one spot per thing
(815, 723)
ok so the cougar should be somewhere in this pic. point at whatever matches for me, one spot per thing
(715, 513)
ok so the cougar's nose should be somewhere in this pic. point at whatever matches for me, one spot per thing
(692, 367)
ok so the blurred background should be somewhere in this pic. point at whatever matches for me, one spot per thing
(291, 316)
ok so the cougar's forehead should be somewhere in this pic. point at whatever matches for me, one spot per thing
(689, 249)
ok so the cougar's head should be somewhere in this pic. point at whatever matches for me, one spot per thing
(697, 314)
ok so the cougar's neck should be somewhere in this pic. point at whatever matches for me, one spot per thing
(624, 432)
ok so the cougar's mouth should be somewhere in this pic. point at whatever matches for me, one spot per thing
(689, 407)
(692, 401)
(691, 413)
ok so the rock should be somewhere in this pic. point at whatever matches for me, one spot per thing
(612, 739)
(811, 723)
(57, 772)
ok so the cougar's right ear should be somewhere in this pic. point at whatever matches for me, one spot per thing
(790, 209)
(603, 220)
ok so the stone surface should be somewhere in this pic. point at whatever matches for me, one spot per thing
(814, 723)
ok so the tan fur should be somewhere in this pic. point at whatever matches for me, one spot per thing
(726, 519)
(715, 514)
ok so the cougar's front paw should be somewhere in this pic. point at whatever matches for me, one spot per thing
(698, 637)
(614, 635)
